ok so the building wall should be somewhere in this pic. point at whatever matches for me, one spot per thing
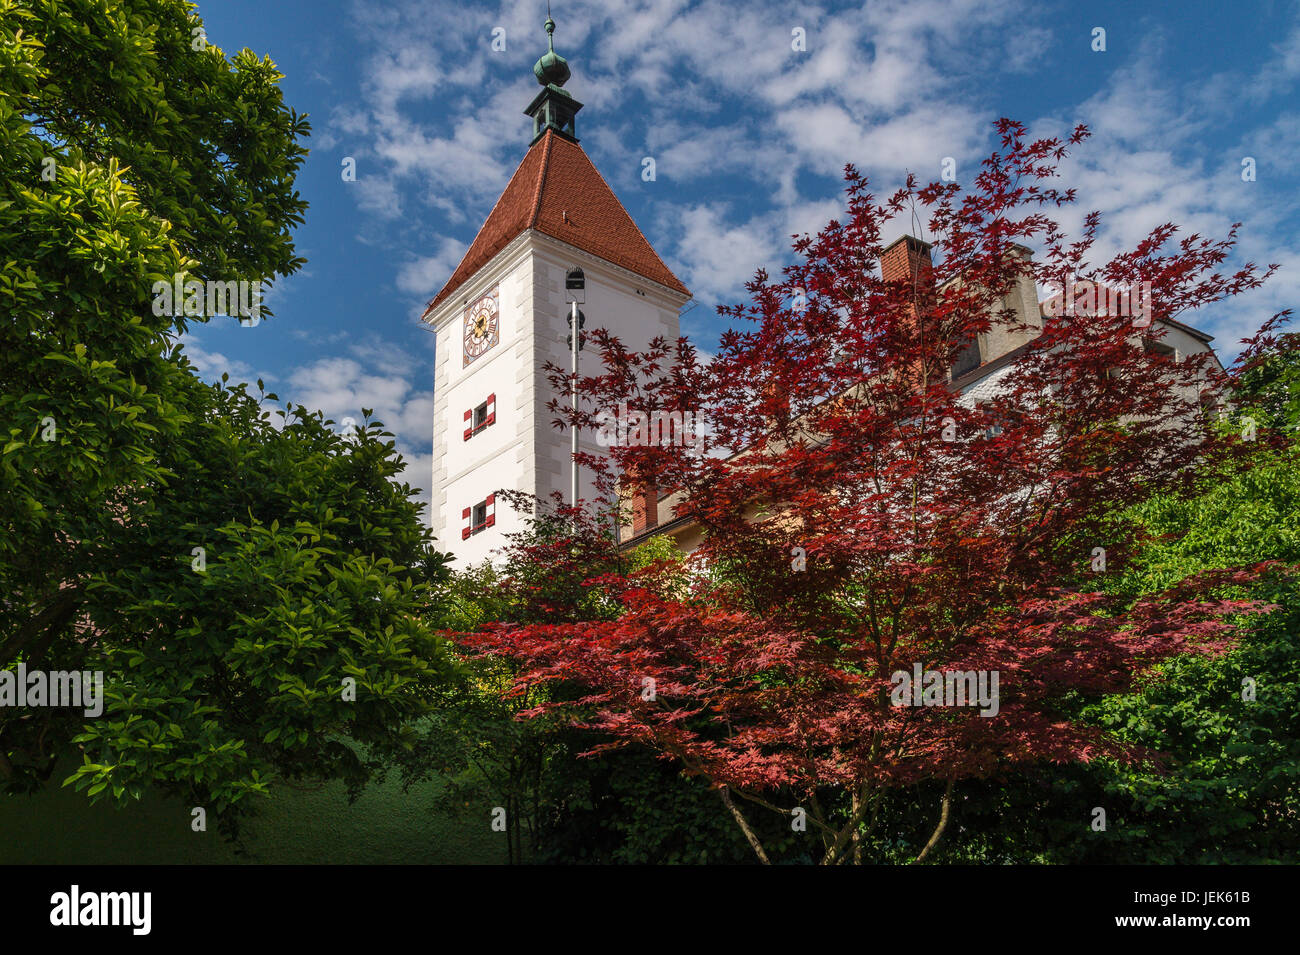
(524, 450)
(629, 307)
(1024, 323)
(1003, 337)
(498, 456)
(984, 388)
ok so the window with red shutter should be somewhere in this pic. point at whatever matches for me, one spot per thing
(480, 517)
(484, 416)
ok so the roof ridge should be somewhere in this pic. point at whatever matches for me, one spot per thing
(547, 141)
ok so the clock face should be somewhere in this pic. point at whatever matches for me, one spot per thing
(482, 326)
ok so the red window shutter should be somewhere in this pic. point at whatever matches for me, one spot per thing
(491, 409)
(469, 416)
(491, 510)
(464, 533)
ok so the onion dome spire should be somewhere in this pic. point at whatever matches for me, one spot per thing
(551, 69)
(554, 107)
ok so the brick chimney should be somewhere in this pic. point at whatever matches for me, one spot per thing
(645, 506)
(907, 261)
(776, 402)
(907, 258)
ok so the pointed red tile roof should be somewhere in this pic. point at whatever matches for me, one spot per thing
(556, 178)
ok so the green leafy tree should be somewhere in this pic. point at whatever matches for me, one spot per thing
(1268, 380)
(472, 740)
(1227, 788)
(625, 808)
(1222, 784)
(229, 573)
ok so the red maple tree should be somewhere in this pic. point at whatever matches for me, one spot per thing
(864, 518)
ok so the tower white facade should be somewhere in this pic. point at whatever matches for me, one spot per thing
(504, 314)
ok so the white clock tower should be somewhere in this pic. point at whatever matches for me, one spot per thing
(503, 315)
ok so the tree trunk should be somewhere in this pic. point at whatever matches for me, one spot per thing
(857, 840)
(744, 825)
(832, 856)
(938, 830)
(55, 614)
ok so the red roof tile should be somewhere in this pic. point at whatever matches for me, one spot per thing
(556, 178)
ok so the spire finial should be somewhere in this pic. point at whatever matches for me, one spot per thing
(551, 69)
(554, 107)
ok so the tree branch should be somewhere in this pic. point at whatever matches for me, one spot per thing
(938, 830)
(56, 613)
(744, 825)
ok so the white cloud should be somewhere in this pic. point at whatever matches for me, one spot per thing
(425, 275)
(717, 258)
(829, 136)
(210, 365)
(377, 195)
(379, 375)
(419, 474)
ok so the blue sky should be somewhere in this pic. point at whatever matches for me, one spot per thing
(749, 138)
